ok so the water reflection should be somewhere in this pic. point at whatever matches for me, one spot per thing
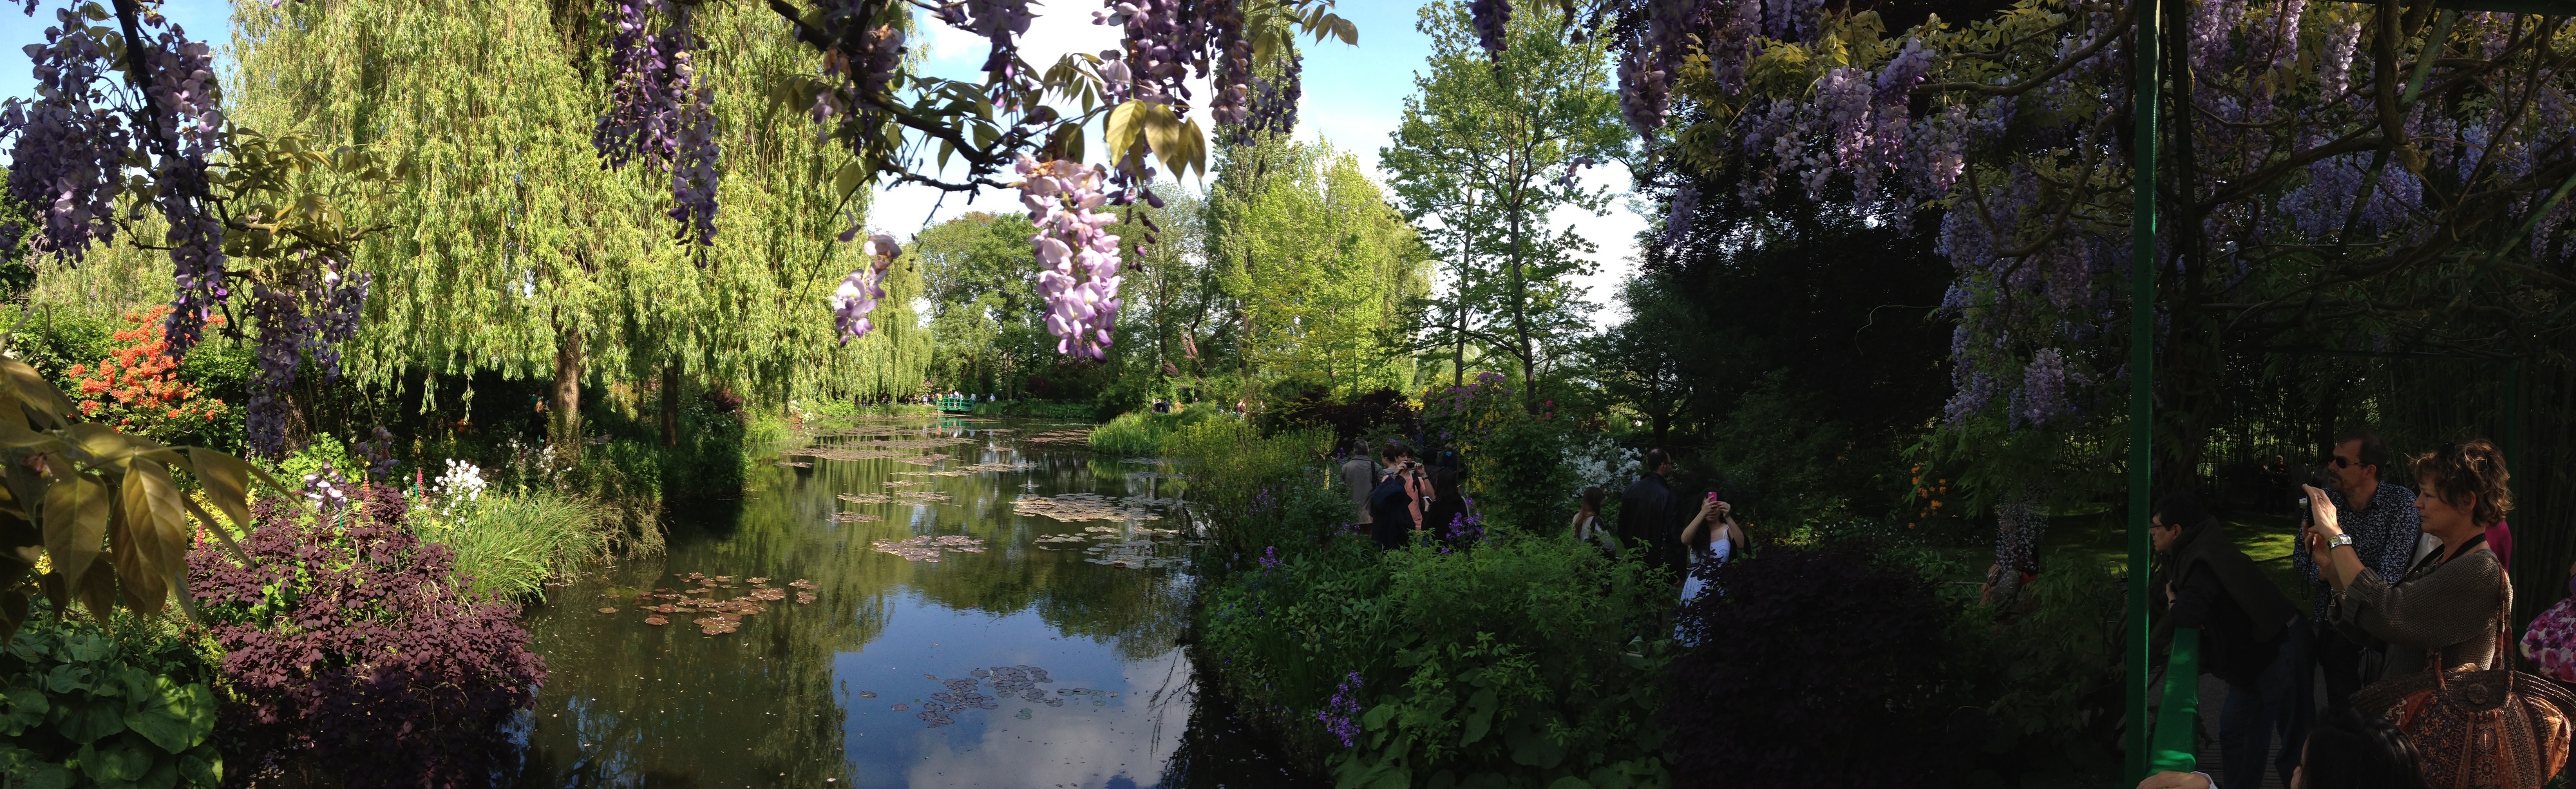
(806, 695)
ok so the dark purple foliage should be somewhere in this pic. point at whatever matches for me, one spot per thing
(1817, 668)
(351, 648)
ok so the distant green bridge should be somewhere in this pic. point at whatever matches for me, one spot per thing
(956, 405)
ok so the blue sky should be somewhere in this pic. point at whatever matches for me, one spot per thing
(1354, 98)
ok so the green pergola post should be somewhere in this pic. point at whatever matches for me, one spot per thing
(2142, 365)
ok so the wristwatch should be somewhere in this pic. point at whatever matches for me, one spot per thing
(2339, 541)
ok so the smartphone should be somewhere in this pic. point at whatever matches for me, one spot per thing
(1712, 497)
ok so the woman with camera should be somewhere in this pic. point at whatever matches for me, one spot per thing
(2448, 601)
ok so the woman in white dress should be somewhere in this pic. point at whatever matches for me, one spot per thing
(1711, 538)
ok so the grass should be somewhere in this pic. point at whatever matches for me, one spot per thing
(2103, 538)
(512, 544)
(1142, 433)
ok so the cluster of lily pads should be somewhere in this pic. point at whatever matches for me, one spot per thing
(925, 548)
(960, 694)
(699, 595)
(1076, 507)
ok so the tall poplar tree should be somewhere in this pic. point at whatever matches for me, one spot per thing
(1487, 150)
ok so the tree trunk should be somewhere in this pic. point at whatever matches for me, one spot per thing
(566, 402)
(670, 405)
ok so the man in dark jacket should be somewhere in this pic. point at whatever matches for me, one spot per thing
(2250, 636)
(1648, 526)
(1390, 504)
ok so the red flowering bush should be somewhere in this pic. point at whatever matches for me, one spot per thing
(350, 649)
(137, 388)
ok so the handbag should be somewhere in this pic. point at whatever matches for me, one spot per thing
(2479, 728)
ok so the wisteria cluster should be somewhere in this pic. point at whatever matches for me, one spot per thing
(68, 142)
(659, 111)
(860, 290)
(1492, 20)
(305, 311)
(1078, 259)
(1273, 107)
(996, 20)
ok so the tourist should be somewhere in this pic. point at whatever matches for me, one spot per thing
(2550, 642)
(1359, 473)
(2379, 516)
(1711, 538)
(2251, 635)
(1648, 512)
(2449, 601)
(1445, 516)
(1588, 528)
(1393, 502)
(2345, 750)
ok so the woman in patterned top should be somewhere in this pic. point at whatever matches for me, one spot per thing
(2448, 602)
(2551, 641)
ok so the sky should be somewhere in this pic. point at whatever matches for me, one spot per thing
(1354, 98)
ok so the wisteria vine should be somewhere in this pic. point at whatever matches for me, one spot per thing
(659, 111)
(1078, 259)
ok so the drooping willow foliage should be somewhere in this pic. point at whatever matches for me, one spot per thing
(514, 249)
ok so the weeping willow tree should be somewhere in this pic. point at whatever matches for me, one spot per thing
(514, 250)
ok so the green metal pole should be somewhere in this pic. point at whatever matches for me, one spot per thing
(2142, 366)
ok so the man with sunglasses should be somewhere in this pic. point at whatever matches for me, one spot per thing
(2380, 519)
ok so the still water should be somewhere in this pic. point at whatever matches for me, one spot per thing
(990, 606)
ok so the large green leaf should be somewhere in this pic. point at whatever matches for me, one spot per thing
(116, 761)
(26, 707)
(176, 717)
(1480, 717)
(75, 526)
(42, 775)
(1533, 747)
(87, 721)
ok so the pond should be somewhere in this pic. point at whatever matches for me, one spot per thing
(949, 603)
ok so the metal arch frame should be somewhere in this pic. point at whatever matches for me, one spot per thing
(2142, 293)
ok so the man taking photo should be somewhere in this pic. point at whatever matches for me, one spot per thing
(2380, 517)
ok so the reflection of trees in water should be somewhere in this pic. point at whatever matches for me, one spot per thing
(1218, 750)
(673, 708)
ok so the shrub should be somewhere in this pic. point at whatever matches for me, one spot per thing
(81, 711)
(1143, 433)
(2048, 666)
(1515, 460)
(1815, 667)
(1523, 662)
(1258, 492)
(137, 387)
(510, 544)
(1377, 415)
(351, 652)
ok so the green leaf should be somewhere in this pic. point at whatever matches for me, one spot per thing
(116, 760)
(1126, 121)
(87, 721)
(849, 179)
(43, 775)
(1533, 747)
(75, 525)
(176, 717)
(26, 708)
(202, 766)
(68, 677)
(1480, 717)
(1377, 717)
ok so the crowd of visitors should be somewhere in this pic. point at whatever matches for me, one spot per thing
(2408, 599)
(2410, 611)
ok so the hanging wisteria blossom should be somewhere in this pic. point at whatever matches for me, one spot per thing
(1078, 260)
(860, 291)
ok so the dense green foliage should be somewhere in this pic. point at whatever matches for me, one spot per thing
(83, 709)
(1260, 493)
(1518, 663)
(510, 544)
(1144, 433)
